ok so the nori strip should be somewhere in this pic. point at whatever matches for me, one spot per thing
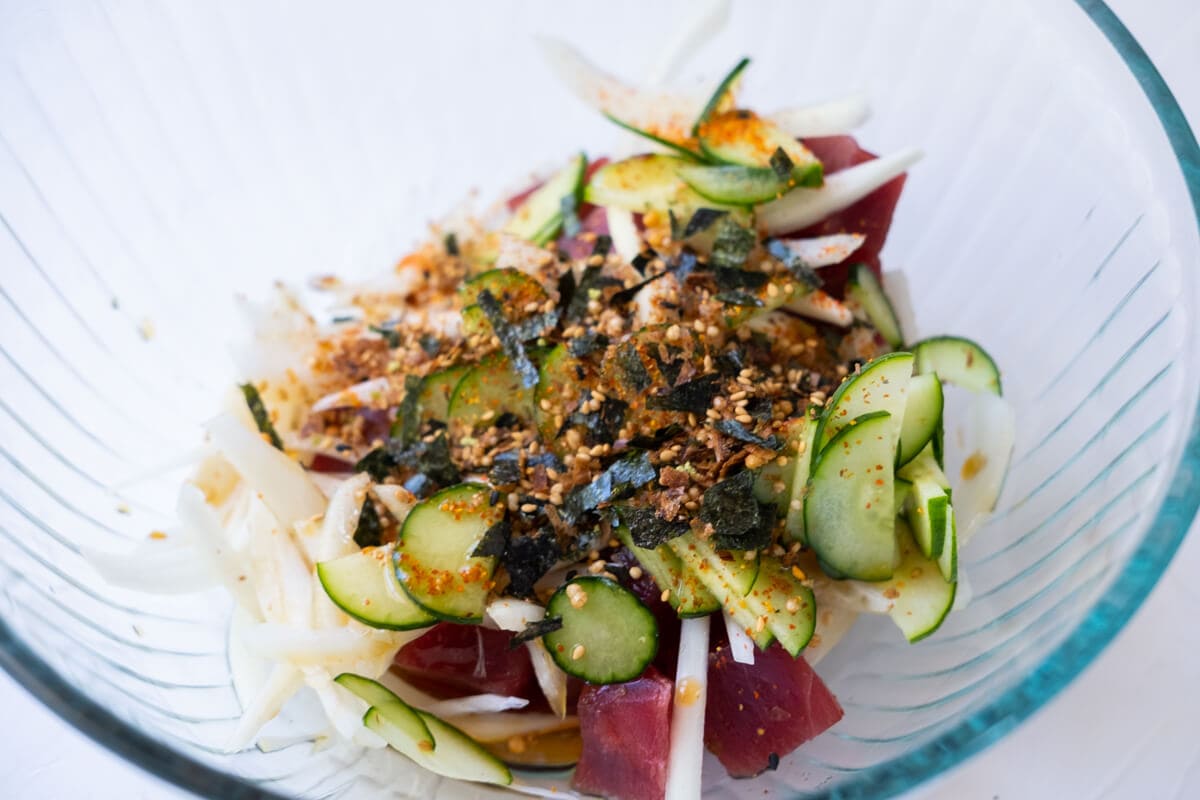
(535, 630)
(527, 558)
(739, 521)
(262, 418)
(369, 532)
(694, 396)
(736, 430)
(510, 338)
(647, 529)
(617, 481)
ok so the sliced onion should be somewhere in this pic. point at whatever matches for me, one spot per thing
(980, 430)
(741, 646)
(625, 237)
(248, 671)
(823, 251)
(648, 308)
(820, 306)
(702, 22)
(475, 704)
(858, 596)
(687, 712)
(504, 725)
(824, 119)
(285, 681)
(170, 566)
(366, 393)
(324, 646)
(833, 622)
(282, 482)
(396, 499)
(667, 114)
(336, 536)
(281, 577)
(344, 710)
(514, 615)
(212, 546)
(516, 253)
(800, 208)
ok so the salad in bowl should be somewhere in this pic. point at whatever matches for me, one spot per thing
(594, 480)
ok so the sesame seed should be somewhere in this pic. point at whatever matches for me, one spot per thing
(665, 596)
(578, 652)
(793, 605)
(576, 595)
(529, 508)
(596, 567)
(635, 572)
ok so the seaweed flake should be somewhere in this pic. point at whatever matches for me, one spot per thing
(693, 396)
(739, 521)
(510, 338)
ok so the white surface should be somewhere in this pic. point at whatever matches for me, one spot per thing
(1123, 730)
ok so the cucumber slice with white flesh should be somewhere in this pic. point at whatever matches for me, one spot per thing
(558, 387)
(541, 215)
(868, 302)
(687, 595)
(928, 507)
(437, 389)
(434, 553)
(744, 138)
(850, 509)
(958, 361)
(785, 606)
(733, 184)
(645, 183)
(488, 390)
(922, 416)
(881, 385)
(411, 735)
(802, 464)
(902, 489)
(921, 598)
(365, 586)
(729, 576)
(607, 635)
(924, 468)
(513, 290)
(675, 147)
(773, 483)
(948, 560)
(444, 749)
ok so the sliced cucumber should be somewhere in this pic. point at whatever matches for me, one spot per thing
(744, 138)
(607, 635)
(948, 560)
(434, 553)
(410, 734)
(773, 484)
(365, 586)
(882, 385)
(787, 604)
(513, 289)
(687, 596)
(902, 489)
(922, 416)
(677, 148)
(928, 515)
(924, 468)
(958, 361)
(850, 509)
(558, 386)
(733, 184)
(488, 390)
(921, 597)
(722, 97)
(866, 299)
(794, 523)
(541, 215)
(644, 183)
(434, 400)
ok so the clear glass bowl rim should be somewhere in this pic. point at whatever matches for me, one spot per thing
(989, 724)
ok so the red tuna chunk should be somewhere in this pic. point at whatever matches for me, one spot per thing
(456, 659)
(759, 713)
(626, 732)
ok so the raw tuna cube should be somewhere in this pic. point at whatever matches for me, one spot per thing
(467, 659)
(758, 713)
(626, 731)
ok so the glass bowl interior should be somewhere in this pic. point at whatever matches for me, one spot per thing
(156, 160)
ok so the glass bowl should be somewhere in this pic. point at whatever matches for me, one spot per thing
(156, 159)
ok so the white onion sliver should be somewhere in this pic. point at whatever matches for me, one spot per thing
(741, 646)
(824, 251)
(213, 547)
(800, 208)
(322, 646)
(703, 22)
(248, 671)
(623, 230)
(833, 622)
(687, 714)
(344, 709)
(514, 615)
(283, 483)
(168, 567)
(282, 579)
(475, 704)
(503, 725)
(396, 499)
(821, 306)
(824, 119)
(336, 536)
(285, 681)
(980, 427)
(367, 393)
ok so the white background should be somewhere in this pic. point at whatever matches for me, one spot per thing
(1125, 729)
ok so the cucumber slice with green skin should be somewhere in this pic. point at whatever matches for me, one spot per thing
(958, 361)
(948, 560)
(732, 184)
(557, 389)
(922, 416)
(488, 390)
(718, 99)
(849, 514)
(788, 606)
(513, 290)
(921, 597)
(773, 484)
(924, 468)
(743, 138)
(902, 489)
(434, 400)
(675, 147)
(645, 183)
(410, 733)
(540, 217)
(928, 515)
(882, 385)
(687, 596)
(728, 576)
(607, 635)
(365, 586)
(433, 554)
(866, 299)
(794, 523)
